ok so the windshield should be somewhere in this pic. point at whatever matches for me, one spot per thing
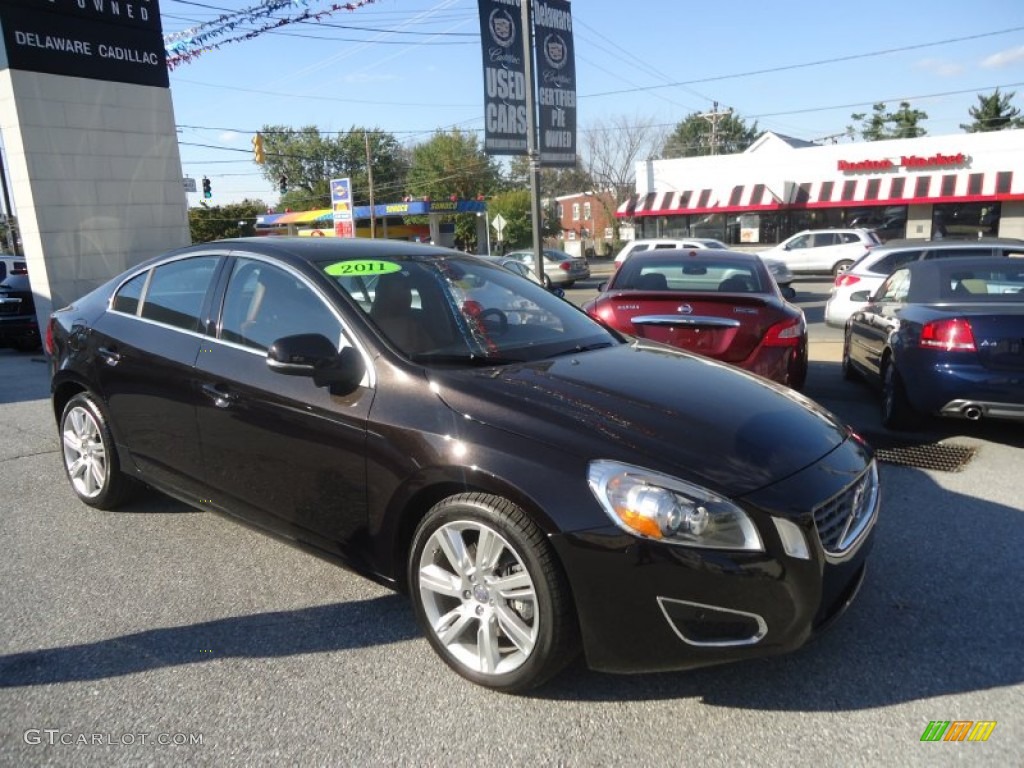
(463, 310)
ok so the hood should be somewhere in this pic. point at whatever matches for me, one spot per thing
(654, 406)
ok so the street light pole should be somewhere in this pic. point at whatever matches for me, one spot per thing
(531, 138)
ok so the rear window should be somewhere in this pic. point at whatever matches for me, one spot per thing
(983, 284)
(688, 274)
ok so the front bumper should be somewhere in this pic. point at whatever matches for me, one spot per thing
(647, 606)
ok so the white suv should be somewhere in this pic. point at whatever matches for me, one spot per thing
(824, 250)
(776, 266)
(871, 271)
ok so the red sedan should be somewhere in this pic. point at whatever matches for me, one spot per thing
(719, 304)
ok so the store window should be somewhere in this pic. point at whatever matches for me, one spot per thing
(966, 220)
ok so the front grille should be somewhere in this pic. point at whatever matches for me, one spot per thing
(841, 520)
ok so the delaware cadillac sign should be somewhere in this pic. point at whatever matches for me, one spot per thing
(95, 39)
(910, 162)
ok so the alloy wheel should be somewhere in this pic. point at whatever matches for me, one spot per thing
(85, 455)
(478, 597)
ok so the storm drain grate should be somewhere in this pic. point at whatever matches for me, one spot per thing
(943, 457)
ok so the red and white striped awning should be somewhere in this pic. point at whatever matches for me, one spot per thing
(903, 189)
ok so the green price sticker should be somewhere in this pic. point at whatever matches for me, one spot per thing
(361, 267)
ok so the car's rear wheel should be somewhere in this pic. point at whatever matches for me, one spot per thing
(489, 594)
(547, 281)
(841, 266)
(896, 410)
(90, 456)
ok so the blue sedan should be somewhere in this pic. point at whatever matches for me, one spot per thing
(943, 337)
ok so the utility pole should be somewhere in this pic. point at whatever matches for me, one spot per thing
(369, 181)
(713, 117)
(531, 140)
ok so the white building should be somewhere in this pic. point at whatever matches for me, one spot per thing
(960, 185)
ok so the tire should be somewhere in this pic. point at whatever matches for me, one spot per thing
(547, 281)
(841, 266)
(849, 374)
(90, 457)
(896, 411)
(505, 619)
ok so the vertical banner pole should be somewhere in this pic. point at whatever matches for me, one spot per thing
(531, 139)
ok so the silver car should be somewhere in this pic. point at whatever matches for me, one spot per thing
(560, 268)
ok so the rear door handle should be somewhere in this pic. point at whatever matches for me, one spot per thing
(110, 356)
(220, 398)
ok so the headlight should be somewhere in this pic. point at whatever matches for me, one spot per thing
(656, 506)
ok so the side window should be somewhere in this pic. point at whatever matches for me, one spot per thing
(804, 241)
(128, 297)
(264, 303)
(895, 288)
(823, 239)
(894, 261)
(664, 246)
(956, 253)
(177, 290)
(847, 237)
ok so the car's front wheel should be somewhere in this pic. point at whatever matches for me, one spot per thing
(489, 594)
(90, 457)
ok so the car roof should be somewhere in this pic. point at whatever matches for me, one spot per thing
(947, 244)
(701, 254)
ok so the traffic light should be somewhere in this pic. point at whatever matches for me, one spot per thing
(257, 149)
(207, 189)
(282, 184)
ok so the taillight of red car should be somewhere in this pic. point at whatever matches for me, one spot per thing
(951, 335)
(48, 338)
(843, 280)
(788, 333)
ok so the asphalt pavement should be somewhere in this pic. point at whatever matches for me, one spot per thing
(159, 635)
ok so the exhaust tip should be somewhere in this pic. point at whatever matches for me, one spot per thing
(972, 412)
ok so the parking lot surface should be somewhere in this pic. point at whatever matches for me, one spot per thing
(161, 635)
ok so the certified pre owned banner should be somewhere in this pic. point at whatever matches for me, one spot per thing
(504, 77)
(95, 39)
(556, 86)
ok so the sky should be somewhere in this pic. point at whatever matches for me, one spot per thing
(414, 67)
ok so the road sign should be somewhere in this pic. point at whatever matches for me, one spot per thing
(499, 222)
(190, 184)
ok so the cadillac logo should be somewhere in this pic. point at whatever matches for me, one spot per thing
(555, 51)
(503, 28)
(684, 309)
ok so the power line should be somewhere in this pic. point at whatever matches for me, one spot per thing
(787, 67)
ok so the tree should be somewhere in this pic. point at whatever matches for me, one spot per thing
(882, 124)
(994, 113)
(308, 160)
(452, 164)
(514, 207)
(554, 182)
(207, 223)
(697, 135)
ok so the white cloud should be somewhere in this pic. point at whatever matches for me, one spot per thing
(940, 67)
(1004, 58)
(228, 137)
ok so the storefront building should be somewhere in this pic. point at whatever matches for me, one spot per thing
(960, 185)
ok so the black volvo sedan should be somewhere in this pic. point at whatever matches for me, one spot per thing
(538, 483)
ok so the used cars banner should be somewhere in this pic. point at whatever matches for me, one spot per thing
(504, 77)
(556, 82)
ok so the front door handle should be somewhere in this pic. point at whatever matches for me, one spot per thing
(110, 356)
(220, 398)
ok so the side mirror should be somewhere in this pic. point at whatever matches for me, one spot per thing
(601, 286)
(860, 296)
(559, 292)
(313, 355)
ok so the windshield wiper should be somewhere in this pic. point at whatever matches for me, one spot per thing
(582, 348)
(472, 360)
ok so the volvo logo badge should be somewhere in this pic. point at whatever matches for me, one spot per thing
(684, 309)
